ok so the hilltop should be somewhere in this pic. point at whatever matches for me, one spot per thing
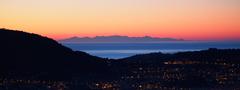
(42, 57)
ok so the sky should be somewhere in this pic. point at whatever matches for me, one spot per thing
(185, 19)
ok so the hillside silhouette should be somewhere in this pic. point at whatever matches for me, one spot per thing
(212, 54)
(35, 56)
(212, 69)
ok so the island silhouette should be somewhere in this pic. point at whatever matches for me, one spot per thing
(116, 39)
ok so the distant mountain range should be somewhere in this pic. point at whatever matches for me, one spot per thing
(116, 38)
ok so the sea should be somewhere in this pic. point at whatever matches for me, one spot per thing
(123, 50)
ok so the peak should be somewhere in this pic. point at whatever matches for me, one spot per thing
(8, 30)
(110, 36)
(74, 37)
(148, 37)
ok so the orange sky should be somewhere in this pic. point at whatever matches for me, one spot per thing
(187, 19)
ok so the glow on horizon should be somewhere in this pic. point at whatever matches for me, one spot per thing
(186, 19)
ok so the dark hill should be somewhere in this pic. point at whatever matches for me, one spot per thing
(35, 56)
(211, 54)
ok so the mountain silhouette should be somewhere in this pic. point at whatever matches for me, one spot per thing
(200, 69)
(212, 54)
(36, 56)
(116, 38)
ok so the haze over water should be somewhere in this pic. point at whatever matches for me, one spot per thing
(122, 50)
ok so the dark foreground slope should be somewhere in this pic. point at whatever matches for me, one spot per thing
(212, 54)
(34, 56)
(214, 69)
